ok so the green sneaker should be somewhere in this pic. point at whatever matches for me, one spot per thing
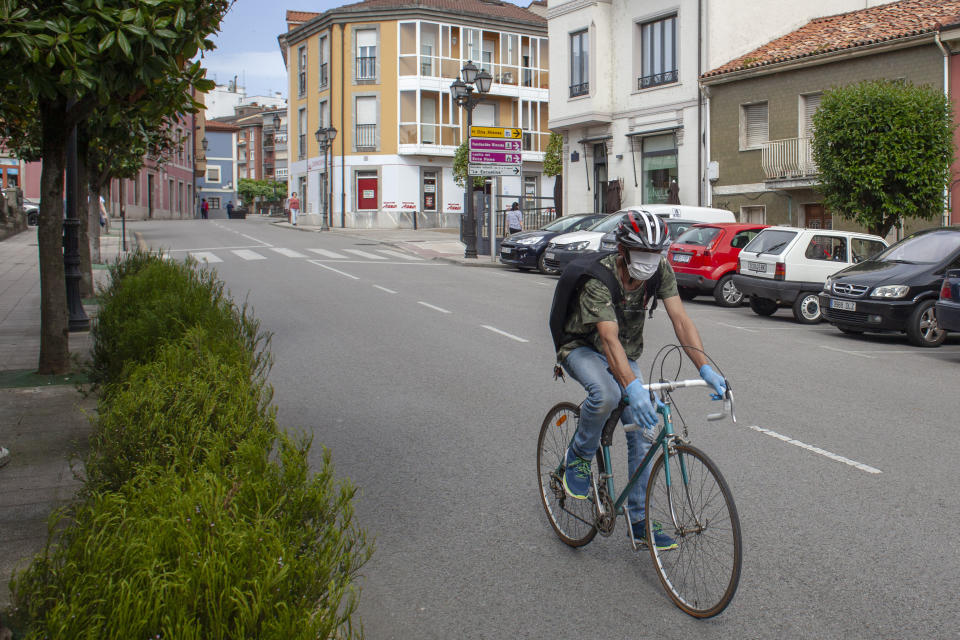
(662, 540)
(576, 476)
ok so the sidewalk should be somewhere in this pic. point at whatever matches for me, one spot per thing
(433, 244)
(43, 419)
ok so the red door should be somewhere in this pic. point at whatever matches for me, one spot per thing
(367, 197)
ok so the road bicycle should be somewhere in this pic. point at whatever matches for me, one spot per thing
(686, 495)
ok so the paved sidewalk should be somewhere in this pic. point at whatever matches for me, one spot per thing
(44, 421)
(435, 244)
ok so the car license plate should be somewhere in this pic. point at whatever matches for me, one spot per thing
(843, 305)
(506, 251)
(681, 258)
(550, 255)
(759, 267)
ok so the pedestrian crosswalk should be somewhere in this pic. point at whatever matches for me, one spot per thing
(263, 253)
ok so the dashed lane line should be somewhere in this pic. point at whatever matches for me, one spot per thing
(846, 351)
(376, 286)
(827, 454)
(329, 268)
(435, 308)
(504, 333)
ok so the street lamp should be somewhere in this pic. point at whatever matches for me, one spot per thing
(462, 93)
(325, 138)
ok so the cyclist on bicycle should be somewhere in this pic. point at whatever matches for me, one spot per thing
(603, 356)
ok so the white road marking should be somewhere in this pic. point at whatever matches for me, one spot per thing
(365, 254)
(822, 452)
(328, 254)
(246, 246)
(504, 333)
(246, 254)
(265, 244)
(384, 289)
(430, 306)
(290, 253)
(205, 256)
(733, 326)
(343, 273)
(846, 351)
(397, 254)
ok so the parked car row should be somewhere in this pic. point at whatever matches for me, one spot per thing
(854, 281)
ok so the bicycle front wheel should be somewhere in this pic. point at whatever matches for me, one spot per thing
(697, 510)
(573, 520)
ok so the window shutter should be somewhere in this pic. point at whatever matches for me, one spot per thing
(366, 110)
(755, 122)
(810, 106)
(366, 38)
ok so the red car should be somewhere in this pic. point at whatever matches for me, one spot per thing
(704, 258)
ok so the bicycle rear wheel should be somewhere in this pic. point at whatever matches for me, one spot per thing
(573, 520)
(702, 573)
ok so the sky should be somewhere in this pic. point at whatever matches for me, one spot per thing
(247, 43)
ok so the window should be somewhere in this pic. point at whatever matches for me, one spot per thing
(214, 203)
(658, 52)
(366, 119)
(429, 62)
(659, 167)
(579, 64)
(213, 175)
(827, 248)
(301, 70)
(531, 191)
(864, 249)
(810, 104)
(366, 54)
(753, 125)
(471, 46)
(753, 215)
(281, 172)
(323, 114)
(324, 78)
(301, 133)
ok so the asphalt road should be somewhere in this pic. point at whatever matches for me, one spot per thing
(429, 381)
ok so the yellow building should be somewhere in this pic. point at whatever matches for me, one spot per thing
(379, 72)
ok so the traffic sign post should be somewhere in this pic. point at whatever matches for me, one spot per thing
(492, 170)
(495, 151)
(495, 132)
(495, 157)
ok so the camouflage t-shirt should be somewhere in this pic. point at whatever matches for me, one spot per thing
(595, 305)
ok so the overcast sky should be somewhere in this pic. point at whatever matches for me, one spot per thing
(247, 43)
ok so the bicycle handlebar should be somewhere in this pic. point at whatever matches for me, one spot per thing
(672, 385)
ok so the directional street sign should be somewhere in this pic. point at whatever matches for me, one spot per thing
(493, 169)
(499, 157)
(491, 144)
(495, 132)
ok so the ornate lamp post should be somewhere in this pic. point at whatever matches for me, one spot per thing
(462, 93)
(325, 138)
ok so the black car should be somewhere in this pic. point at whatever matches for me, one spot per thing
(948, 307)
(525, 249)
(897, 289)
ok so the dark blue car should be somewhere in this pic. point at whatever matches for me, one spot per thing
(948, 306)
(524, 250)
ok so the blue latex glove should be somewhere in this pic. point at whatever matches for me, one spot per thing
(714, 380)
(644, 412)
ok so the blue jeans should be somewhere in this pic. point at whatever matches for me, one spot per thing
(590, 368)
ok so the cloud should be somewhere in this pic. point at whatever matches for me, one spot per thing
(259, 71)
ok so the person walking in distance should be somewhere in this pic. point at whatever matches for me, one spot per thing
(294, 208)
(204, 208)
(230, 209)
(514, 219)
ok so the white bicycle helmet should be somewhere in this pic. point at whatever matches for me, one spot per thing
(641, 230)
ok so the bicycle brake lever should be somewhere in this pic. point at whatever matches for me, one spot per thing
(727, 409)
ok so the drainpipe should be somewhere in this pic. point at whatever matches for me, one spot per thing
(700, 132)
(343, 166)
(947, 212)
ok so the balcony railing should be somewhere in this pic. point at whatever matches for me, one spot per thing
(666, 77)
(580, 89)
(366, 136)
(788, 158)
(323, 75)
(367, 68)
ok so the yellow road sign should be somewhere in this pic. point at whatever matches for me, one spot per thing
(495, 132)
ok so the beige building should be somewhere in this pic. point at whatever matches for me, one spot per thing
(379, 72)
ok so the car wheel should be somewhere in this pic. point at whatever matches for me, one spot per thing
(806, 308)
(726, 292)
(922, 327)
(686, 293)
(33, 219)
(850, 331)
(542, 265)
(763, 306)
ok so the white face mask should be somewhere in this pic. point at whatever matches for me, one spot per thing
(643, 264)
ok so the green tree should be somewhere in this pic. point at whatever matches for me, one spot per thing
(553, 159)
(460, 163)
(883, 150)
(71, 58)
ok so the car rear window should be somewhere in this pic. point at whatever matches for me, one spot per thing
(564, 223)
(771, 241)
(925, 248)
(699, 236)
(607, 224)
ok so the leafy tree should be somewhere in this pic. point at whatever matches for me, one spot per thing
(72, 58)
(266, 190)
(460, 163)
(553, 158)
(883, 150)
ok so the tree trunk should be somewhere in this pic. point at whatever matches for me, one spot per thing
(558, 194)
(83, 235)
(54, 336)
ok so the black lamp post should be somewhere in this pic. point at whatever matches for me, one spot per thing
(276, 131)
(325, 138)
(78, 320)
(462, 92)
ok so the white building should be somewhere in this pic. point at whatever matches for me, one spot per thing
(626, 96)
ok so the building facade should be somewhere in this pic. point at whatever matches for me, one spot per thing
(218, 185)
(626, 96)
(379, 72)
(762, 104)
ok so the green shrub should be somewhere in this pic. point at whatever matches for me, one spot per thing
(191, 406)
(267, 552)
(154, 302)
